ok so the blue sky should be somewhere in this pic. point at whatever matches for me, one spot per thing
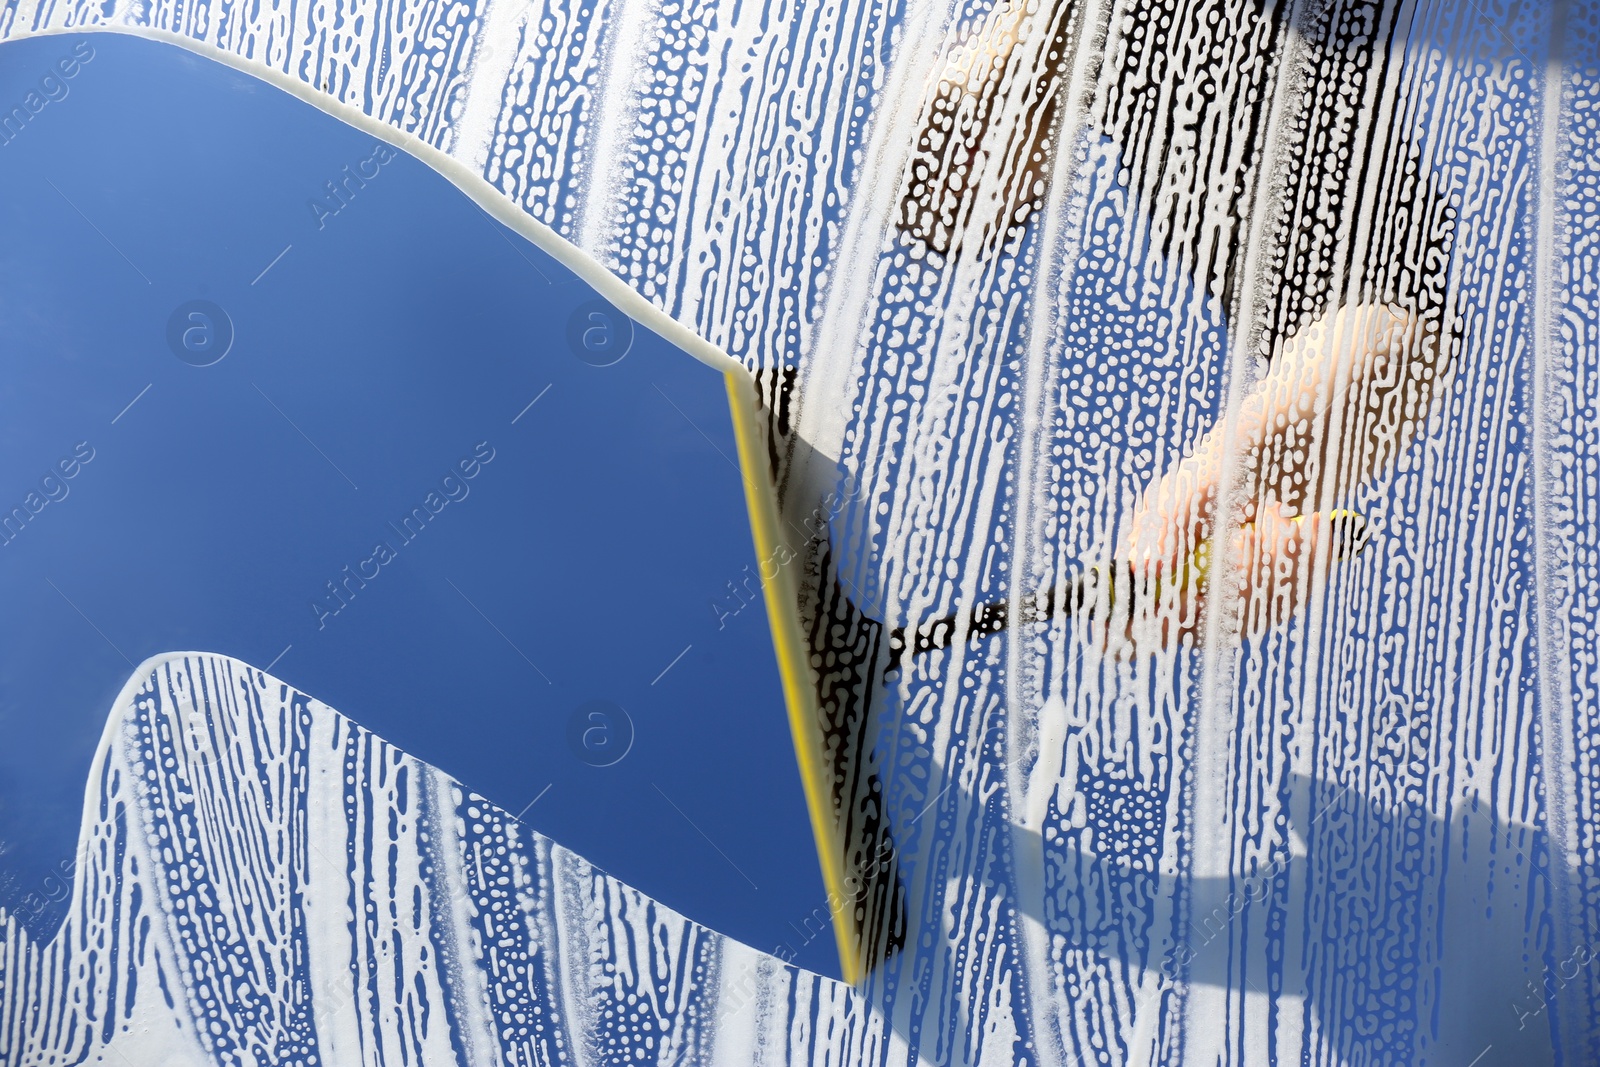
(384, 344)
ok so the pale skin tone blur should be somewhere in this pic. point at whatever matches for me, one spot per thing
(1339, 401)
